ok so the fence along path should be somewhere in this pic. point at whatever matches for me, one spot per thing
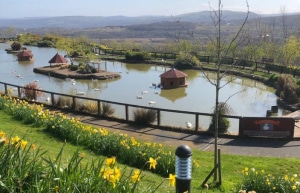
(75, 99)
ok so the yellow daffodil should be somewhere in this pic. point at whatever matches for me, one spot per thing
(172, 180)
(117, 173)
(23, 144)
(15, 140)
(136, 176)
(152, 163)
(107, 172)
(2, 134)
(82, 155)
(33, 146)
(112, 179)
(56, 189)
(110, 161)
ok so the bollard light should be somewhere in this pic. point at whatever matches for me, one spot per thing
(183, 168)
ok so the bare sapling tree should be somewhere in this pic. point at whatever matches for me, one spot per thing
(222, 52)
(221, 47)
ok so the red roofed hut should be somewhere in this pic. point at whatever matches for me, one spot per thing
(25, 55)
(58, 59)
(173, 79)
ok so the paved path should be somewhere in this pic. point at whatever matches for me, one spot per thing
(234, 145)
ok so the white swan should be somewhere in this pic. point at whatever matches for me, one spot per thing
(79, 93)
(188, 125)
(144, 92)
(152, 102)
(139, 97)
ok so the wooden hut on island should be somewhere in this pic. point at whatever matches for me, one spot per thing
(173, 79)
(58, 60)
(25, 55)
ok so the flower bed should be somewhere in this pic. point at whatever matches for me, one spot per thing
(127, 150)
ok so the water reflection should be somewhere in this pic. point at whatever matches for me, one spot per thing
(137, 67)
(173, 94)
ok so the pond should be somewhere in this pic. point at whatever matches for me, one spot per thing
(246, 97)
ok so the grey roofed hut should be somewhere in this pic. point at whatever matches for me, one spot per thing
(58, 59)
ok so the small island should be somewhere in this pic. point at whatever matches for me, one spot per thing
(63, 71)
(60, 68)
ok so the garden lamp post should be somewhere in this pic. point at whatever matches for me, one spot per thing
(183, 169)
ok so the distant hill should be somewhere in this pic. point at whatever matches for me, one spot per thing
(152, 28)
(79, 22)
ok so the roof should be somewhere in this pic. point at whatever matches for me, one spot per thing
(58, 59)
(173, 73)
(25, 53)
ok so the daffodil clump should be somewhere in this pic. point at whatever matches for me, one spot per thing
(260, 181)
(24, 168)
(128, 150)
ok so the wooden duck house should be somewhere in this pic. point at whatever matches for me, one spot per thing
(173, 79)
(25, 55)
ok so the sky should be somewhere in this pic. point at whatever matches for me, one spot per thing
(132, 8)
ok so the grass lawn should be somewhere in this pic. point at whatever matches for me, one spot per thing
(232, 165)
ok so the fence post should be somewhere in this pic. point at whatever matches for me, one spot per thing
(74, 103)
(126, 112)
(197, 122)
(19, 92)
(52, 99)
(5, 89)
(99, 107)
(158, 117)
(183, 169)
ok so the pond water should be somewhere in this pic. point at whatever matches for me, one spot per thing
(199, 96)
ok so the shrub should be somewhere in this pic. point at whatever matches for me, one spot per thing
(86, 69)
(63, 102)
(185, 60)
(287, 88)
(16, 46)
(273, 78)
(74, 67)
(106, 109)
(144, 116)
(137, 56)
(223, 122)
(31, 91)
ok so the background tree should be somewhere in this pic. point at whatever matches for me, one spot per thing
(290, 51)
(10, 32)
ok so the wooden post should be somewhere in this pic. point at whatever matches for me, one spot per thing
(126, 112)
(99, 107)
(158, 117)
(5, 89)
(74, 103)
(19, 92)
(196, 122)
(219, 168)
(52, 99)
